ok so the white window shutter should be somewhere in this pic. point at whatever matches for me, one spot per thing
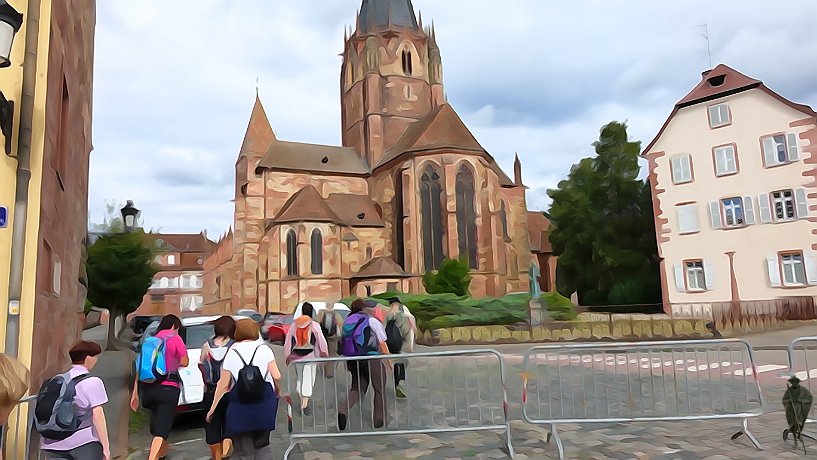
(679, 278)
(802, 203)
(675, 164)
(686, 166)
(764, 207)
(794, 150)
(749, 210)
(769, 152)
(810, 260)
(709, 276)
(774, 271)
(715, 214)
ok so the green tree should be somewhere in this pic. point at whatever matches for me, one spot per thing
(452, 278)
(120, 269)
(603, 229)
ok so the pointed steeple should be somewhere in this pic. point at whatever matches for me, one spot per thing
(259, 136)
(517, 171)
(377, 15)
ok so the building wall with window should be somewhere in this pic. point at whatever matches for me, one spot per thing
(733, 176)
(178, 286)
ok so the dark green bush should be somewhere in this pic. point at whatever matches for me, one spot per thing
(434, 311)
(452, 278)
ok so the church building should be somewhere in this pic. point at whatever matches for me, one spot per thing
(409, 187)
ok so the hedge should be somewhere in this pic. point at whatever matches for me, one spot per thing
(436, 311)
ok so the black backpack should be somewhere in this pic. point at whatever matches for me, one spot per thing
(211, 367)
(55, 415)
(394, 338)
(332, 330)
(251, 385)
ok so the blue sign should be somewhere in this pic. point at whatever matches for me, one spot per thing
(4, 216)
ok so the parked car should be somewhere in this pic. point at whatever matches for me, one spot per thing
(252, 314)
(195, 332)
(275, 326)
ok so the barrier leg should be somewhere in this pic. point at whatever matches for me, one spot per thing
(748, 434)
(554, 433)
(292, 446)
(508, 440)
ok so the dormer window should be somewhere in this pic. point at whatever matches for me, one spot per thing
(719, 115)
(716, 81)
(407, 62)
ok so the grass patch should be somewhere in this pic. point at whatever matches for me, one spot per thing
(137, 420)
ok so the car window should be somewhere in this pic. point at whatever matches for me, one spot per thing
(196, 336)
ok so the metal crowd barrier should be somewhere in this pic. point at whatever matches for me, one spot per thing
(640, 382)
(15, 443)
(447, 392)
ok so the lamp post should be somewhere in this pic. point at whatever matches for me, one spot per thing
(129, 216)
(10, 23)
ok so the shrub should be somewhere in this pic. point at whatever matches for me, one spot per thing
(452, 278)
(434, 311)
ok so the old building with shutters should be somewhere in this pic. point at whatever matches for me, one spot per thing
(733, 172)
(409, 187)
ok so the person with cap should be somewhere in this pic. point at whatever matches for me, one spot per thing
(303, 341)
(331, 323)
(364, 335)
(400, 329)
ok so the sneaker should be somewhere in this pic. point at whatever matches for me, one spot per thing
(400, 393)
(307, 411)
(342, 422)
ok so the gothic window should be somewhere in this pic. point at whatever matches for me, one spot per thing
(466, 216)
(317, 252)
(503, 216)
(292, 253)
(399, 211)
(432, 214)
(407, 62)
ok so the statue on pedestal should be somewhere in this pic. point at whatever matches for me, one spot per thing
(538, 314)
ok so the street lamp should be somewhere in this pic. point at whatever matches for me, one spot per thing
(10, 23)
(129, 216)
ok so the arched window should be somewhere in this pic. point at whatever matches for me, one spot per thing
(503, 217)
(432, 213)
(466, 216)
(292, 253)
(399, 212)
(317, 252)
(407, 62)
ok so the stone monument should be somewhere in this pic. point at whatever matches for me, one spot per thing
(538, 313)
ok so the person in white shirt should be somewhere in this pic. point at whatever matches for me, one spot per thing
(248, 424)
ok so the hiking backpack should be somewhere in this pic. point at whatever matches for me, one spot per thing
(250, 385)
(151, 365)
(394, 338)
(306, 349)
(211, 368)
(55, 415)
(329, 325)
(357, 338)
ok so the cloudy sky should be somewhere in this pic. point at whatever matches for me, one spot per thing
(175, 81)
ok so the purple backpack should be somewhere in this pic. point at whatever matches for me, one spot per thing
(356, 337)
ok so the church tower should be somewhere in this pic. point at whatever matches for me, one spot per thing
(391, 76)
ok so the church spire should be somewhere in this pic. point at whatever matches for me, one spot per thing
(517, 171)
(259, 136)
(377, 15)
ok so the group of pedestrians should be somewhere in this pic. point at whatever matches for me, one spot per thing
(241, 377)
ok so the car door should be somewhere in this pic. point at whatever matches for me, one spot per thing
(192, 382)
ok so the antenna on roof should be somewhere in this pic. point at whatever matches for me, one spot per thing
(257, 80)
(708, 47)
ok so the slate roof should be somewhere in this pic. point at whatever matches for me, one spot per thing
(296, 156)
(381, 267)
(442, 128)
(385, 14)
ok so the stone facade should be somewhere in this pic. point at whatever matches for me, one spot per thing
(178, 286)
(409, 187)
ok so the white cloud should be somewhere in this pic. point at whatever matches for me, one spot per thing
(175, 82)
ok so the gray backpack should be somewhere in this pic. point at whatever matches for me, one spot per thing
(55, 415)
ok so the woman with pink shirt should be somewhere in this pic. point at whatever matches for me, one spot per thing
(160, 398)
(305, 340)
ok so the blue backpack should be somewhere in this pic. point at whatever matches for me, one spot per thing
(151, 365)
